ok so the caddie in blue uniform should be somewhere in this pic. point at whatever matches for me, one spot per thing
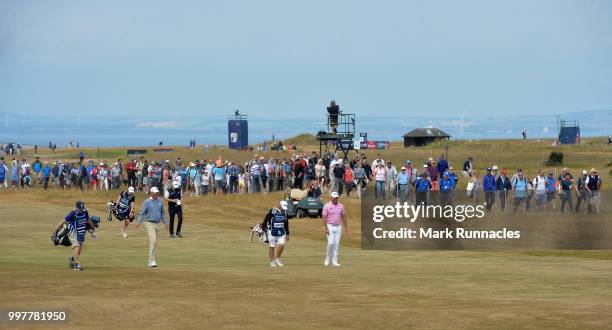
(278, 232)
(77, 221)
(124, 210)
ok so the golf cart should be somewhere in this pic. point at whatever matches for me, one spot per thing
(299, 205)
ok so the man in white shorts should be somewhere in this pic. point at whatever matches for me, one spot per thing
(277, 226)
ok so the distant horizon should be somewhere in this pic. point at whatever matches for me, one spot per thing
(115, 131)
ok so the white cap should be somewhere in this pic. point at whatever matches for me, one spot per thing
(283, 205)
(154, 190)
(334, 194)
(494, 167)
(131, 190)
(175, 184)
(585, 172)
(425, 166)
(403, 168)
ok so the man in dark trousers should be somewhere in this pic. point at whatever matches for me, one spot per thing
(175, 208)
(333, 110)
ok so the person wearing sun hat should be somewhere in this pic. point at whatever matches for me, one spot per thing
(334, 223)
(403, 182)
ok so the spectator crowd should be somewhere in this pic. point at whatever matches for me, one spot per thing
(433, 182)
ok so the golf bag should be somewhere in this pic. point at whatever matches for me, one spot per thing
(96, 223)
(112, 211)
(258, 231)
(60, 236)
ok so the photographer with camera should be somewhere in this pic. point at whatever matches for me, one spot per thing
(78, 221)
(333, 110)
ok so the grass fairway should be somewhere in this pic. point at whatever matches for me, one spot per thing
(214, 278)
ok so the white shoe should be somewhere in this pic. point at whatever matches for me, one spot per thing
(152, 264)
(335, 264)
(125, 235)
(273, 263)
(326, 262)
(279, 263)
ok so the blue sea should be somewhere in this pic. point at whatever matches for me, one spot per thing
(137, 132)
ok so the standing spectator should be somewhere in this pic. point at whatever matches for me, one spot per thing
(421, 187)
(310, 172)
(103, 177)
(582, 191)
(3, 175)
(205, 180)
(298, 172)
(333, 110)
(503, 186)
(45, 173)
(594, 186)
(233, 172)
(348, 179)
(338, 177)
(391, 178)
(377, 161)
(130, 169)
(152, 214)
(175, 208)
(442, 164)
(14, 176)
(242, 179)
(255, 172)
(489, 187)
(37, 168)
(551, 186)
(539, 185)
(166, 179)
(333, 214)
(565, 191)
(520, 190)
(475, 180)
(320, 172)
(219, 177)
(380, 175)
(116, 177)
(197, 180)
(403, 182)
(446, 187)
(468, 167)
(361, 179)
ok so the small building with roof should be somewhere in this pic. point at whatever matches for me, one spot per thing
(419, 137)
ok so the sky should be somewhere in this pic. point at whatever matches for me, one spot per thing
(281, 59)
